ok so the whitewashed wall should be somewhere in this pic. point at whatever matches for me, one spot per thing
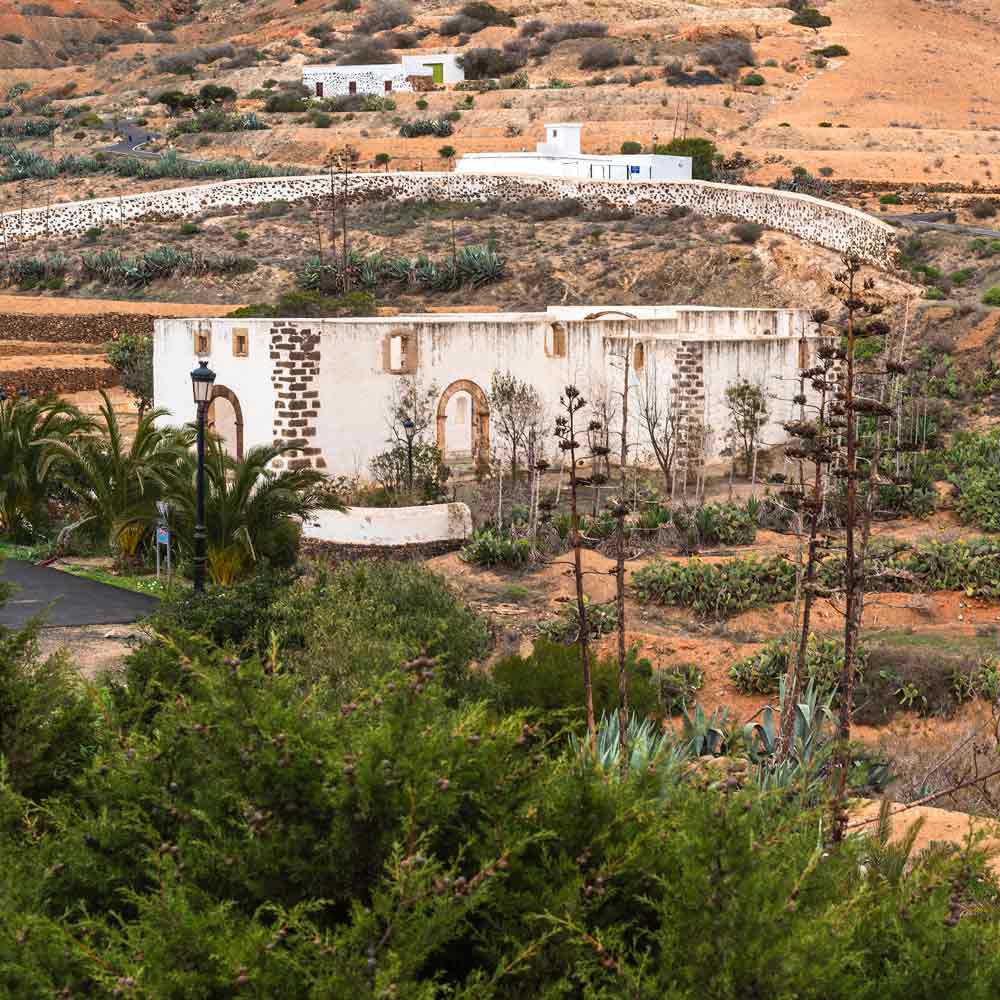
(836, 227)
(584, 166)
(337, 80)
(694, 351)
(440, 522)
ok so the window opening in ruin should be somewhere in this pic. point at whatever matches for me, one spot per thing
(319, 89)
(388, 86)
(352, 87)
(639, 357)
(555, 341)
(399, 354)
(241, 344)
(202, 343)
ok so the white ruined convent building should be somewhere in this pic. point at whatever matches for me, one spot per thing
(560, 156)
(421, 71)
(329, 384)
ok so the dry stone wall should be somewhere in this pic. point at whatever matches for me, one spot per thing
(77, 329)
(41, 381)
(836, 227)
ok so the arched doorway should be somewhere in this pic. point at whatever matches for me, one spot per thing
(463, 424)
(225, 418)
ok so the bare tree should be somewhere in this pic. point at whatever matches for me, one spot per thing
(748, 413)
(516, 414)
(572, 402)
(412, 414)
(660, 418)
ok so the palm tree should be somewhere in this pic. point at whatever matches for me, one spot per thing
(27, 427)
(116, 482)
(251, 510)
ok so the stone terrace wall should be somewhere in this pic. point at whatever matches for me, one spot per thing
(836, 227)
(96, 329)
(40, 381)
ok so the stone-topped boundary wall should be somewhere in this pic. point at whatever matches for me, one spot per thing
(836, 227)
(75, 329)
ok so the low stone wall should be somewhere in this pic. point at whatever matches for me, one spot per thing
(85, 329)
(41, 381)
(836, 227)
(374, 527)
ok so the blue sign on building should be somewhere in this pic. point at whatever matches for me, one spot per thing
(633, 170)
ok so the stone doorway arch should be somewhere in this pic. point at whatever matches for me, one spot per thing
(463, 424)
(225, 418)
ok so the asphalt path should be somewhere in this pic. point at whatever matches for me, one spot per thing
(64, 600)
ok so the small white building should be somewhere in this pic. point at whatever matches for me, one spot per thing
(327, 80)
(559, 156)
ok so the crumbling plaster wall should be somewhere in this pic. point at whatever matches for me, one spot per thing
(827, 224)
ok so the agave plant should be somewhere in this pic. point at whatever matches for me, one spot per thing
(649, 746)
(117, 482)
(480, 265)
(705, 735)
(814, 719)
(249, 507)
(29, 429)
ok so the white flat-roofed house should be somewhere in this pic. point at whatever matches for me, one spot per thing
(328, 80)
(560, 156)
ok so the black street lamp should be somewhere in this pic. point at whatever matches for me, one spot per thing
(408, 426)
(202, 380)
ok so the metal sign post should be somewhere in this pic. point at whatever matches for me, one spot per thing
(163, 536)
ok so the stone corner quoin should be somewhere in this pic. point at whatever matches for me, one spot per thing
(836, 227)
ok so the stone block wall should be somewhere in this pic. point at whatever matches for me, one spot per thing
(836, 227)
(295, 361)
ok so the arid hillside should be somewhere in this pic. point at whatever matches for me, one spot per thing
(892, 91)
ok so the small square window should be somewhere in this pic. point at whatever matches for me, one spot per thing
(388, 86)
(352, 87)
(399, 354)
(241, 343)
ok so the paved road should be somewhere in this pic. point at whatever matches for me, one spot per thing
(134, 136)
(939, 220)
(66, 600)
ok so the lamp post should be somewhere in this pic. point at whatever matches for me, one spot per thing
(202, 379)
(408, 426)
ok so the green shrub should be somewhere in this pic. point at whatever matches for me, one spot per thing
(489, 547)
(982, 208)
(299, 304)
(631, 148)
(677, 687)
(747, 232)
(717, 589)
(440, 127)
(602, 619)
(831, 51)
(189, 229)
(753, 80)
(48, 723)
(935, 294)
(551, 679)
(991, 297)
(359, 620)
(890, 199)
(809, 17)
(762, 672)
(703, 153)
(235, 616)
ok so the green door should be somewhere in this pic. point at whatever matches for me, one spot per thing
(437, 71)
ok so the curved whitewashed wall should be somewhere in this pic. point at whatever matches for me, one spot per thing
(439, 522)
(836, 227)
